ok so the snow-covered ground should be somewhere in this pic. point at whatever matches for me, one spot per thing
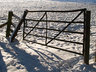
(23, 56)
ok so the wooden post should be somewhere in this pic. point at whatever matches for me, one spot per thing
(9, 23)
(87, 37)
(25, 22)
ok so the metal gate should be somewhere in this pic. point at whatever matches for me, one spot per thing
(44, 18)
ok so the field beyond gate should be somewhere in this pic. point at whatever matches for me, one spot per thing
(48, 26)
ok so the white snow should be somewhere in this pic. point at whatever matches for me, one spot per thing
(23, 56)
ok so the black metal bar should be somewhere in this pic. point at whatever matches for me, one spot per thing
(36, 24)
(59, 11)
(65, 27)
(56, 39)
(56, 30)
(55, 47)
(56, 21)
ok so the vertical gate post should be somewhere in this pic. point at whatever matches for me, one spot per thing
(25, 22)
(87, 37)
(9, 22)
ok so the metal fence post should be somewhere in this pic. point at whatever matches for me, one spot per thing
(87, 37)
(9, 23)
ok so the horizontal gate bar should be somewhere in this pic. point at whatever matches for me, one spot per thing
(55, 47)
(55, 30)
(55, 21)
(59, 11)
(57, 39)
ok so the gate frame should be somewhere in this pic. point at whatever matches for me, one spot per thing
(86, 33)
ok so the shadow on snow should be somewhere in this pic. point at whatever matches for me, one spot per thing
(2, 64)
(31, 62)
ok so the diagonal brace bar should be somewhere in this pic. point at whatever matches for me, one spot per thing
(35, 25)
(65, 27)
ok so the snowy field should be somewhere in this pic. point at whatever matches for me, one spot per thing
(23, 56)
